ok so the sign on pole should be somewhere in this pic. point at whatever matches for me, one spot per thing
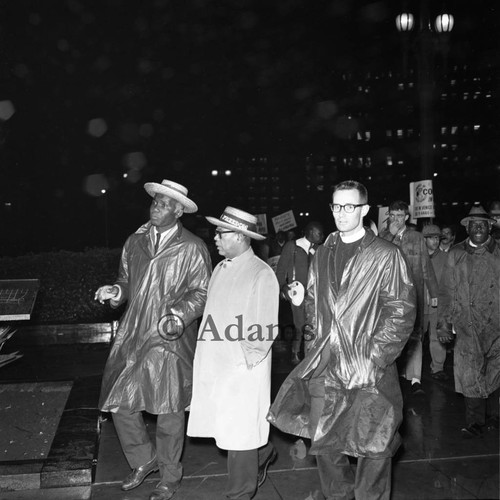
(422, 199)
(284, 221)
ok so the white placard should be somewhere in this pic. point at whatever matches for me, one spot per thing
(284, 221)
(261, 223)
(422, 199)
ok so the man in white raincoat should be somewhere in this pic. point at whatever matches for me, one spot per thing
(232, 364)
(164, 274)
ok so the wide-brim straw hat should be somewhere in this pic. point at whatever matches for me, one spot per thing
(239, 221)
(476, 213)
(173, 190)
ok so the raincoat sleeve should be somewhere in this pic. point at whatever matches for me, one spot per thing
(264, 316)
(189, 306)
(398, 303)
(428, 273)
(123, 277)
(285, 263)
(311, 330)
(447, 290)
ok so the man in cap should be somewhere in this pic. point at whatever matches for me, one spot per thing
(432, 235)
(413, 246)
(291, 272)
(232, 364)
(469, 304)
(163, 275)
(345, 395)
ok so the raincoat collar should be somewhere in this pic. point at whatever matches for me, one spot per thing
(488, 246)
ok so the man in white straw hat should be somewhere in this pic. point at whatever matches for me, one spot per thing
(232, 364)
(164, 275)
(469, 304)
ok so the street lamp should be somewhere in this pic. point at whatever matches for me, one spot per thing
(426, 81)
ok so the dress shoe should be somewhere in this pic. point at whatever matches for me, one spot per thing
(472, 431)
(441, 375)
(137, 476)
(162, 492)
(263, 468)
(492, 423)
(416, 389)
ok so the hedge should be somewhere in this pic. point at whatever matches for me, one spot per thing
(68, 281)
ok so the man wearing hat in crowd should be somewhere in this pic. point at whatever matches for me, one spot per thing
(495, 214)
(469, 304)
(432, 235)
(413, 247)
(232, 364)
(163, 275)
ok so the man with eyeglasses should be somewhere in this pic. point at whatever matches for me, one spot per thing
(413, 246)
(163, 277)
(469, 304)
(232, 364)
(344, 395)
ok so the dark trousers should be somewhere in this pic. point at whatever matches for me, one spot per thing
(372, 479)
(139, 449)
(243, 469)
(478, 409)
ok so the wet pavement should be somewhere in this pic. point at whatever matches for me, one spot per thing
(85, 460)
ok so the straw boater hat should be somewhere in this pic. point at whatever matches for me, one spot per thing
(173, 190)
(239, 221)
(476, 213)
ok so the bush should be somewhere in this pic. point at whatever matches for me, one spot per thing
(68, 281)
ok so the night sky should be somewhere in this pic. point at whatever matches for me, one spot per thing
(171, 89)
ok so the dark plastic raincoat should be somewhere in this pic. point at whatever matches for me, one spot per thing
(365, 325)
(470, 300)
(144, 371)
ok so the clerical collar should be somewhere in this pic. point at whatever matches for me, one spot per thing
(353, 237)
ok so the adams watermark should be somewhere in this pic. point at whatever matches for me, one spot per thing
(171, 327)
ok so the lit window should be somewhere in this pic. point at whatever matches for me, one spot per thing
(358, 135)
(400, 133)
(368, 135)
(388, 133)
(477, 127)
(389, 160)
(454, 130)
(401, 86)
(444, 130)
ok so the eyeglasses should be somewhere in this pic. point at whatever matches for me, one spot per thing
(220, 233)
(348, 207)
(397, 216)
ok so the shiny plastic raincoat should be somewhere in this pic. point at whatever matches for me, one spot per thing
(144, 371)
(470, 300)
(365, 325)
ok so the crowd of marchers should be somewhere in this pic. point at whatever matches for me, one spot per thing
(362, 303)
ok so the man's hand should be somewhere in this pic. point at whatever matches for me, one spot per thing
(445, 333)
(284, 292)
(106, 292)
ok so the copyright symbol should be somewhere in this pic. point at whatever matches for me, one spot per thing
(170, 327)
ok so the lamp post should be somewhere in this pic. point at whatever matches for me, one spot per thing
(426, 81)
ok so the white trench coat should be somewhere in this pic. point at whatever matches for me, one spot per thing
(232, 364)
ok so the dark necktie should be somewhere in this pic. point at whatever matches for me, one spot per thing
(157, 244)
